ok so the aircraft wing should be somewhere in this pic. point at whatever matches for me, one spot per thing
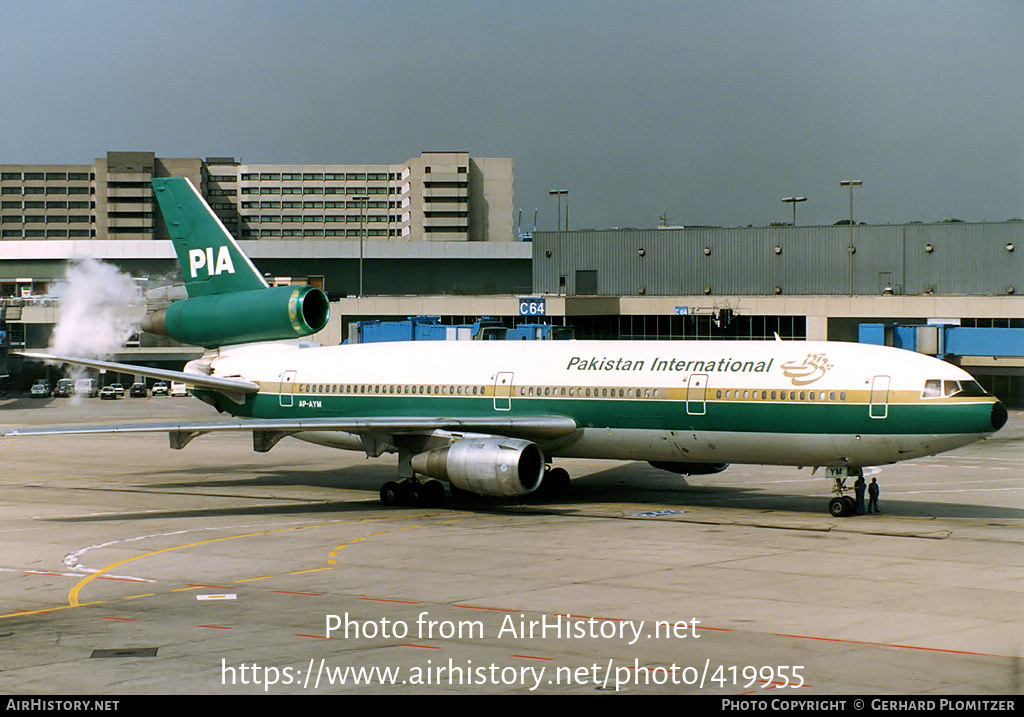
(539, 427)
(228, 385)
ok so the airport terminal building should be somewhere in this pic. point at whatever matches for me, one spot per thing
(434, 236)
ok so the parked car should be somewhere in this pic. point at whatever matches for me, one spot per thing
(160, 388)
(40, 389)
(108, 392)
(118, 389)
(86, 387)
(178, 389)
(138, 390)
(65, 387)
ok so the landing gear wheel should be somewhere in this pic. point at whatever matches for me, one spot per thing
(842, 505)
(413, 494)
(432, 493)
(554, 483)
(391, 493)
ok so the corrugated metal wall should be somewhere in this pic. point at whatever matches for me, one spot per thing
(953, 258)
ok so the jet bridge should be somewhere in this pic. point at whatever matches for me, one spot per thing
(430, 328)
(993, 355)
(947, 341)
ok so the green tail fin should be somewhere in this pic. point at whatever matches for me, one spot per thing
(211, 260)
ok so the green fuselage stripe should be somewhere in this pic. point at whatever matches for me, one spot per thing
(920, 418)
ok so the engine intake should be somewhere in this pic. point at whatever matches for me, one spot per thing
(494, 466)
(280, 312)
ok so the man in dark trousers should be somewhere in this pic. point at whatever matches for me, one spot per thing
(873, 496)
(858, 487)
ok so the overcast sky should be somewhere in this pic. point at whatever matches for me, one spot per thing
(707, 112)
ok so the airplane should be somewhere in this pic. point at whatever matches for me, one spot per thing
(489, 417)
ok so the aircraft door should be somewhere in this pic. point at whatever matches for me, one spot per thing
(879, 406)
(503, 391)
(287, 389)
(696, 391)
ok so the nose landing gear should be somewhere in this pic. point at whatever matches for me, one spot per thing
(842, 505)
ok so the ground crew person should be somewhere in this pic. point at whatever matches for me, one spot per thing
(873, 496)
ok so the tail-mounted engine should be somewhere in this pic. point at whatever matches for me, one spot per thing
(488, 465)
(280, 312)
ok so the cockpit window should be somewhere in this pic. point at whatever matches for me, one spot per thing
(936, 388)
(972, 388)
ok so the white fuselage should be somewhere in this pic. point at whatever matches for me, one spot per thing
(777, 402)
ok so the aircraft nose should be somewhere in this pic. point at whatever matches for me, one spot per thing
(999, 415)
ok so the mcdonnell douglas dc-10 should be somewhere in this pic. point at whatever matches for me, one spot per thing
(489, 416)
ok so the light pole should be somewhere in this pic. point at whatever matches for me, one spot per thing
(851, 183)
(362, 229)
(793, 201)
(559, 193)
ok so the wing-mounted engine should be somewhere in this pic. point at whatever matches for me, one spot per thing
(281, 312)
(489, 465)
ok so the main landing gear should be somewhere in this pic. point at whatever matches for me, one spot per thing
(842, 505)
(411, 492)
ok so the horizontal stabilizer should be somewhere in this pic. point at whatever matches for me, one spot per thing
(199, 380)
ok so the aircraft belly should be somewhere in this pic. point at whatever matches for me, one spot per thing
(864, 450)
(756, 448)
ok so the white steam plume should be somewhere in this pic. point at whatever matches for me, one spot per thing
(98, 309)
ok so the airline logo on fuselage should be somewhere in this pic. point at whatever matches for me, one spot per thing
(658, 363)
(807, 371)
(800, 373)
(203, 259)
